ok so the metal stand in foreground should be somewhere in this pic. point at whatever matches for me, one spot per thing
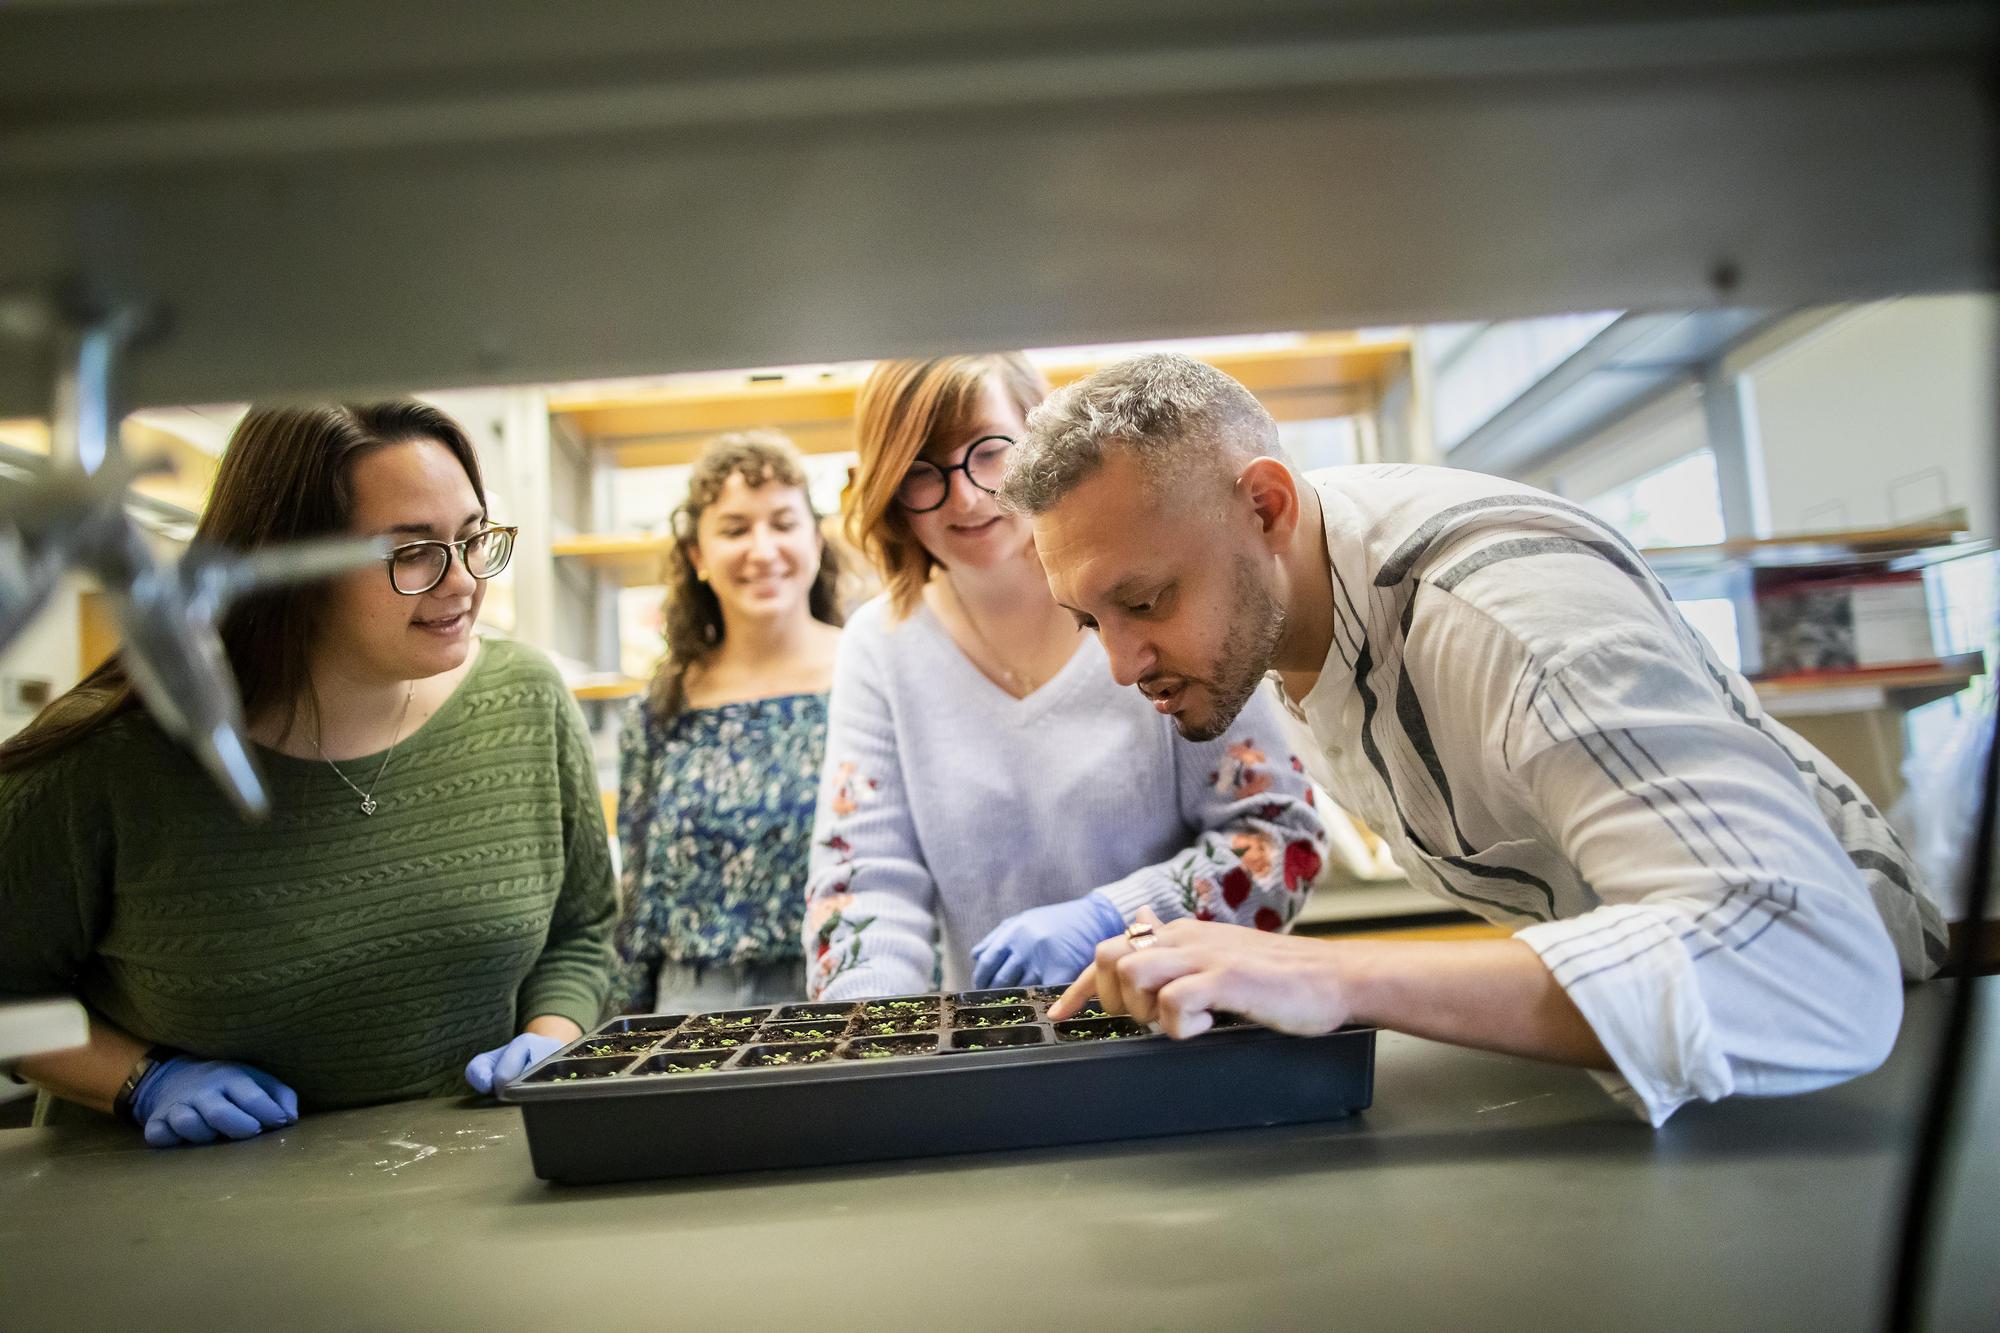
(72, 517)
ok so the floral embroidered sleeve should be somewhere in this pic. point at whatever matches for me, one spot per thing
(871, 925)
(1261, 843)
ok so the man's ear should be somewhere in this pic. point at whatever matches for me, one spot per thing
(1272, 493)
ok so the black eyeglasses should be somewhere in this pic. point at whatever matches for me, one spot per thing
(417, 567)
(926, 486)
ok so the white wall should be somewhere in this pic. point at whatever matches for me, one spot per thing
(1883, 416)
(510, 429)
(1880, 415)
(47, 650)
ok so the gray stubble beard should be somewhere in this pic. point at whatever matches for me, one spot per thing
(1249, 646)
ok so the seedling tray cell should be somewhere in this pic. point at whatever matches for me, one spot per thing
(993, 1016)
(825, 1029)
(878, 1048)
(909, 1076)
(793, 1013)
(1099, 1029)
(681, 1062)
(570, 1071)
(993, 1039)
(654, 1025)
(710, 1039)
(772, 1057)
(902, 1006)
(974, 998)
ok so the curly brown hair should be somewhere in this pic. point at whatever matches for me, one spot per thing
(693, 613)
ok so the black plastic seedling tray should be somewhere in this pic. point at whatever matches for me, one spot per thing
(908, 1076)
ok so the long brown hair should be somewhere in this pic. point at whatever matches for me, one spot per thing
(693, 613)
(904, 408)
(286, 475)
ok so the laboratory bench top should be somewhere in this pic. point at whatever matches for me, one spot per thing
(1480, 1191)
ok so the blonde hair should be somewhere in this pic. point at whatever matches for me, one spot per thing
(904, 409)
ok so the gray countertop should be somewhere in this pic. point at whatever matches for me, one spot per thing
(1480, 1192)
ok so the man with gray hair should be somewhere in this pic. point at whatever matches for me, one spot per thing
(1494, 680)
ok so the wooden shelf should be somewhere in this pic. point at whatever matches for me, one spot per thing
(624, 687)
(1450, 930)
(637, 557)
(184, 486)
(1868, 688)
(1321, 375)
(1894, 550)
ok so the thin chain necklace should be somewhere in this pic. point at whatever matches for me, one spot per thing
(1018, 685)
(368, 803)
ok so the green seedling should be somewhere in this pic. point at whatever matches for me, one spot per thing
(720, 1024)
(896, 1027)
(896, 1009)
(876, 1050)
(795, 1057)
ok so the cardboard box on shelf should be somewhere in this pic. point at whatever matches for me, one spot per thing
(1844, 624)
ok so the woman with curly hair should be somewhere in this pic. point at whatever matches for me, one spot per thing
(720, 761)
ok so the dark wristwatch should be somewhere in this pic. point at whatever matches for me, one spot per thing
(121, 1105)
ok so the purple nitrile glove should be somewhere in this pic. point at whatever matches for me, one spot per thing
(1045, 946)
(184, 1100)
(503, 1064)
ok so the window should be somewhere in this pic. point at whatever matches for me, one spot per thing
(1714, 618)
(1327, 442)
(1477, 369)
(1679, 504)
(1966, 595)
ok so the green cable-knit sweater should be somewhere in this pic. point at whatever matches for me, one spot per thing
(358, 958)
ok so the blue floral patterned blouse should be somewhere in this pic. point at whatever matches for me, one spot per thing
(715, 818)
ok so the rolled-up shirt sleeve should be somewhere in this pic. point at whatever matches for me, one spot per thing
(1736, 949)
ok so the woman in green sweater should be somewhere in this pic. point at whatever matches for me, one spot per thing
(433, 885)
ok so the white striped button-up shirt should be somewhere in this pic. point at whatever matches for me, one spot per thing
(1513, 702)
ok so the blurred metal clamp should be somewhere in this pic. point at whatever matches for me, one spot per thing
(72, 517)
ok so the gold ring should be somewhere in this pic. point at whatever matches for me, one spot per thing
(1141, 935)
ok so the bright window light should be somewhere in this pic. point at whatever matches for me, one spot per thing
(1679, 504)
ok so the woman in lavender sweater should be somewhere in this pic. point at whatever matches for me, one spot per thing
(991, 795)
